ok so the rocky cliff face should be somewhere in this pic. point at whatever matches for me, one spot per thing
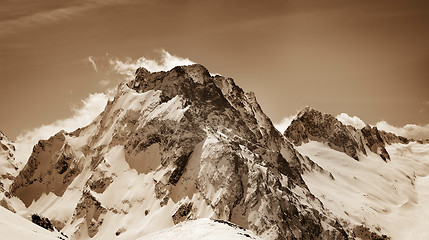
(8, 170)
(51, 167)
(172, 146)
(6, 147)
(313, 125)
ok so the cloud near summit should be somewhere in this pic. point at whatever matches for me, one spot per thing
(409, 131)
(94, 104)
(348, 120)
(167, 61)
(284, 123)
(90, 108)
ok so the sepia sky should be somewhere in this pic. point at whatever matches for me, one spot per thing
(365, 58)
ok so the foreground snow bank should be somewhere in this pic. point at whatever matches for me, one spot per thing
(13, 226)
(203, 228)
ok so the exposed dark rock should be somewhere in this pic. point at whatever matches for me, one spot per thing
(374, 141)
(180, 167)
(99, 185)
(5, 148)
(42, 221)
(121, 230)
(58, 224)
(182, 212)
(63, 164)
(91, 210)
(365, 233)
(229, 224)
(6, 204)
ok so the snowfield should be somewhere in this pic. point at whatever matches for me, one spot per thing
(390, 197)
(202, 229)
(12, 226)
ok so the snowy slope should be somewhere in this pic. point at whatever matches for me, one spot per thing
(389, 197)
(202, 229)
(8, 168)
(14, 227)
(369, 179)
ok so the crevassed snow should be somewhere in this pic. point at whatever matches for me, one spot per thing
(391, 197)
(201, 229)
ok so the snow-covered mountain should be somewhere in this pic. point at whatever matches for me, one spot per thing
(312, 125)
(386, 190)
(8, 170)
(181, 145)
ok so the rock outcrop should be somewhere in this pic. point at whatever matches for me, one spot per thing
(317, 126)
(51, 167)
(312, 125)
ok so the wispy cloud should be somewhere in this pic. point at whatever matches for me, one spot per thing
(94, 66)
(425, 106)
(284, 123)
(104, 82)
(49, 16)
(94, 104)
(167, 61)
(409, 130)
(83, 115)
(348, 120)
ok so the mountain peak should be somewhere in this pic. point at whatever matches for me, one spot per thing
(314, 125)
(196, 142)
(306, 110)
(311, 124)
(197, 72)
(141, 71)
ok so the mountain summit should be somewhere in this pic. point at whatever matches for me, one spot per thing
(180, 145)
(171, 146)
